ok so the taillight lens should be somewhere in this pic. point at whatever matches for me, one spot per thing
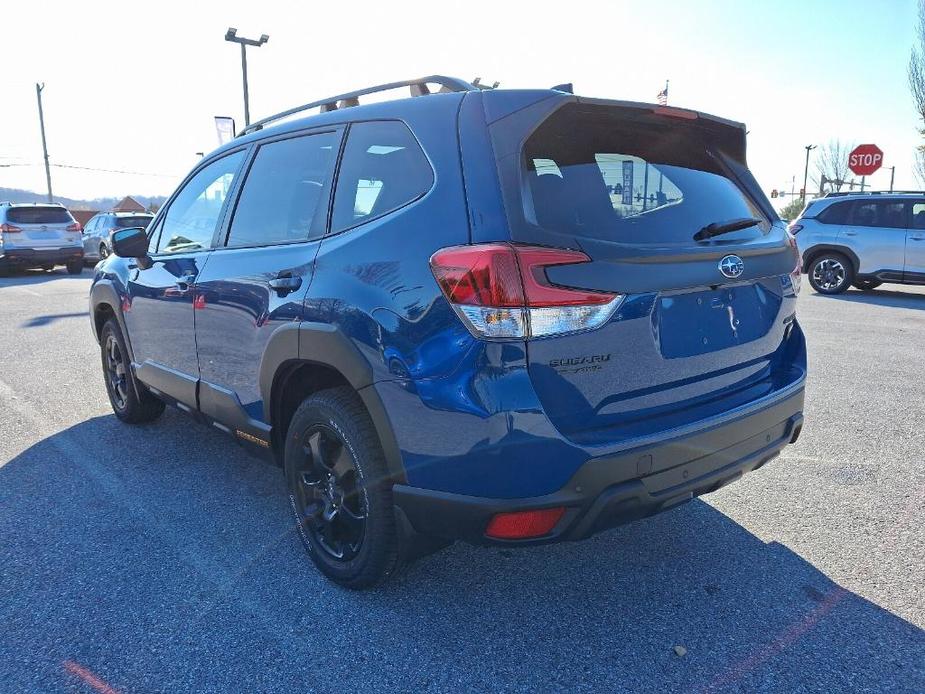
(502, 292)
(9, 228)
(74, 227)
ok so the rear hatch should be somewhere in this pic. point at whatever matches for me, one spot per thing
(40, 227)
(703, 323)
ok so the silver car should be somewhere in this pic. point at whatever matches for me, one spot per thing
(96, 233)
(862, 240)
(39, 235)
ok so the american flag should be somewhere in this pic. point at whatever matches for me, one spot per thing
(662, 97)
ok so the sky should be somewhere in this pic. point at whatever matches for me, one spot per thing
(133, 87)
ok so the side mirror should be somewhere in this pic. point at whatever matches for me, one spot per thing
(129, 243)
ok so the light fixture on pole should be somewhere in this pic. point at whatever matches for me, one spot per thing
(231, 35)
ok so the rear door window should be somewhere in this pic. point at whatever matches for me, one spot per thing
(592, 174)
(879, 213)
(285, 194)
(39, 215)
(383, 168)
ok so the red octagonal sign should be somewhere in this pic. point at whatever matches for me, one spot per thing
(865, 159)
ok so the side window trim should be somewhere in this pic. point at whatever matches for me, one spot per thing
(220, 241)
(158, 224)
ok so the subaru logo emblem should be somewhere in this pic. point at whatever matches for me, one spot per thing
(731, 266)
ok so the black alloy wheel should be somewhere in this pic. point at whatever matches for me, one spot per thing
(115, 364)
(330, 497)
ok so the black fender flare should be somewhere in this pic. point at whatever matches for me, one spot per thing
(104, 292)
(813, 251)
(326, 345)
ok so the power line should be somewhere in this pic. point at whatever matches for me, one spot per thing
(91, 168)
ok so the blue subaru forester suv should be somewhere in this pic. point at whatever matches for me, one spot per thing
(501, 316)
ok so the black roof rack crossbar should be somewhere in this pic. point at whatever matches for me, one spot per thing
(332, 103)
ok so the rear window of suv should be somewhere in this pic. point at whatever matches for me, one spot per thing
(39, 215)
(640, 180)
(127, 222)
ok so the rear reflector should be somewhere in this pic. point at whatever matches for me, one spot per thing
(9, 228)
(520, 525)
(501, 291)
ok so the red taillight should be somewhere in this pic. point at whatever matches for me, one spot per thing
(502, 291)
(521, 525)
(9, 228)
(74, 227)
(485, 275)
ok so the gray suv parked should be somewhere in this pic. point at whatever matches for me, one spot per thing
(96, 233)
(862, 240)
(39, 235)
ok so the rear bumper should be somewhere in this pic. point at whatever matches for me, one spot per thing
(41, 256)
(612, 490)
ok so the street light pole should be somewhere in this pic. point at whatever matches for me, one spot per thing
(231, 35)
(38, 95)
(808, 149)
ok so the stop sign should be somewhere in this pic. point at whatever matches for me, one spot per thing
(865, 159)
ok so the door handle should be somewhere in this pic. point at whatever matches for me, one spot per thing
(851, 233)
(183, 285)
(918, 237)
(285, 283)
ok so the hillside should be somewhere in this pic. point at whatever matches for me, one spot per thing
(17, 195)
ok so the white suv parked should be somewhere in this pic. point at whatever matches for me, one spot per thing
(39, 235)
(862, 240)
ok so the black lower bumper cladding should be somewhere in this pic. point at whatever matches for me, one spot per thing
(610, 491)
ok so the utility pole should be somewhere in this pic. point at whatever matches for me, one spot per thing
(892, 176)
(808, 149)
(231, 35)
(38, 95)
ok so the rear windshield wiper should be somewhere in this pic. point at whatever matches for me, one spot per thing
(717, 228)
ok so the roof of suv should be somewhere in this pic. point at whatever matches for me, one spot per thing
(814, 207)
(502, 102)
(31, 204)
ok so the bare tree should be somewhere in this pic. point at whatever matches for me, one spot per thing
(832, 165)
(917, 87)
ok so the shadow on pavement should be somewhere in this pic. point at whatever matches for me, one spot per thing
(163, 558)
(38, 321)
(30, 277)
(881, 297)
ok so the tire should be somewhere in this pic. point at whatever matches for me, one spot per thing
(104, 252)
(830, 273)
(131, 401)
(866, 285)
(339, 490)
(75, 267)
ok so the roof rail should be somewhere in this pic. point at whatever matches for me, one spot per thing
(841, 193)
(332, 103)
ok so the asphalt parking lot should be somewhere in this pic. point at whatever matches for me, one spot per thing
(162, 558)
